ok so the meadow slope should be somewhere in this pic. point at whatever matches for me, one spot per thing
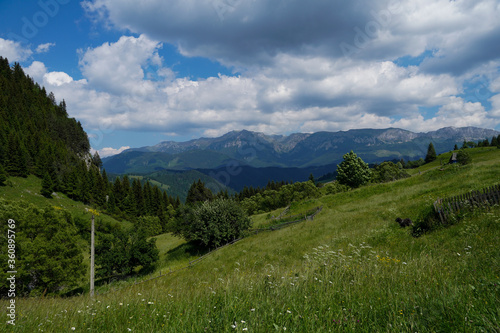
(350, 269)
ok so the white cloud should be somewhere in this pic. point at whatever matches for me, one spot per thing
(44, 48)
(14, 51)
(121, 67)
(294, 93)
(36, 70)
(293, 75)
(108, 151)
(57, 78)
(246, 33)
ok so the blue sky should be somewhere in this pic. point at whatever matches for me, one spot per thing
(139, 72)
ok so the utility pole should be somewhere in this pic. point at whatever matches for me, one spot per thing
(92, 254)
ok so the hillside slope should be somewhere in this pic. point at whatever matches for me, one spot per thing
(351, 269)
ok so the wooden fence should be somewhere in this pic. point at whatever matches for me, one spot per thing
(475, 199)
(300, 218)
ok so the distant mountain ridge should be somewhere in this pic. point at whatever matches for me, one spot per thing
(295, 150)
(286, 143)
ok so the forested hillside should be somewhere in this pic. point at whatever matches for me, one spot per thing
(36, 134)
(45, 161)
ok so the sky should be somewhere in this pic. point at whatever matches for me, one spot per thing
(136, 73)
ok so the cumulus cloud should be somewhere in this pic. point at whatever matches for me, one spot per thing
(44, 48)
(14, 51)
(252, 32)
(120, 67)
(108, 151)
(240, 32)
(292, 94)
(298, 66)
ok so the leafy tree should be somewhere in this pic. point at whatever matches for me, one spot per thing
(112, 256)
(150, 224)
(123, 252)
(463, 157)
(353, 171)
(48, 259)
(455, 148)
(431, 154)
(213, 223)
(143, 253)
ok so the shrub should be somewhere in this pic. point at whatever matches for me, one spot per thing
(463, 157)
(213, 223)
(336, 187)
(387, 172)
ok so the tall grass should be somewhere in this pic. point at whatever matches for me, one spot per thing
(351, 269)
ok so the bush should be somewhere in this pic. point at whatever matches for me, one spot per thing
(336, 187)
(124, 252)
(387, 172)
(213, 223)
(463, 157)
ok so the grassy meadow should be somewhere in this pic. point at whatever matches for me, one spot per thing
(351, 269)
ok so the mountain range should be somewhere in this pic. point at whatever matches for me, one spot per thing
(298, 150)
(244, 158)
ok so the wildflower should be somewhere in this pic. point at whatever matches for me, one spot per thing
(253, 310)
(72, 328)
(245, 329)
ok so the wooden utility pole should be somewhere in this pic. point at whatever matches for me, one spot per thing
(92, 254)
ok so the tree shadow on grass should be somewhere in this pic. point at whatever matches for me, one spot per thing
(186, 250)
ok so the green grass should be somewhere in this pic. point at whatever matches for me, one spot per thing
(28, 189)
(352, 269)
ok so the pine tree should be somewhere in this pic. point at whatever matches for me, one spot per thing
(431, 154)
(3, 176)
(47, 186)
(118, 193)
(494, 141)
(138, 196)
(198, 193)
(353, 171)
(311, 178)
